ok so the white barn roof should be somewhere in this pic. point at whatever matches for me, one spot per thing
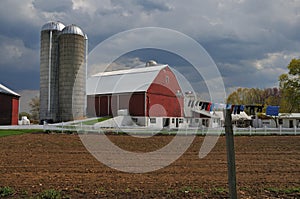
(6, 90)
(123, 81)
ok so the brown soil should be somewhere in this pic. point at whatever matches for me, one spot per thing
(267, 167)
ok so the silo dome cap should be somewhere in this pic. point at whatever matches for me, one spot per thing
(53, 25)
(73, 29)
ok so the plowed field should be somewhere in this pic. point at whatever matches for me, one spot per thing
(267, 167)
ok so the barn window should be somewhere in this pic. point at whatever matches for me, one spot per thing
(152, 120)
(173, 120)
(192, 105)
(189, 104)
(180, 120)
(280, 121)
(167, 79)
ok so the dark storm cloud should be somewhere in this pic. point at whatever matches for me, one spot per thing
(20, 80)
(150, 5)
(53, 5)
(251, 41)
(146, 5)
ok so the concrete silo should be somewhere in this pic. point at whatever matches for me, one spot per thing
(49, 70)
(72, 73)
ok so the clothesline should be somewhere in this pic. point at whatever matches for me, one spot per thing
(235, 108)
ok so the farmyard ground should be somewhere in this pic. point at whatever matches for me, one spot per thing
(267, 167)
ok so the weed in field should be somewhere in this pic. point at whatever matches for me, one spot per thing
(219, 190)
(102, 190)
(272, 189)
(198, 190)
(6, 191)
(186, 189)
(244, 188)
(284, 190)
(291, 190)
(50, 194)
(136, 189)
(169, 191)
(127, 190)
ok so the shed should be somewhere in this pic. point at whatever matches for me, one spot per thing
(9, 106)
(289, 120)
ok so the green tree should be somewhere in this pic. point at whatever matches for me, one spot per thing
(290, 88)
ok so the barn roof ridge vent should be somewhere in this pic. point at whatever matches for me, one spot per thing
(151, 63)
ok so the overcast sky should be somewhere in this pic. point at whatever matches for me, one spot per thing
(251, 41)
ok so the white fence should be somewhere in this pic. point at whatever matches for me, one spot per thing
(80, 128)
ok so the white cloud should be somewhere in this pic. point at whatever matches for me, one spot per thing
(278, 60)
(17, 12)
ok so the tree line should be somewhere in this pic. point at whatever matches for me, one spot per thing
(287, 95)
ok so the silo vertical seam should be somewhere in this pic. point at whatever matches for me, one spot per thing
(86, 63)
(49, 77)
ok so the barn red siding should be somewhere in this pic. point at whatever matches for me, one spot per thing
(5, 109)
(108, 105)
(104, 109)
(9, 109)
(137, 104)
(162, 99)
(163, 106)
(15, 111)
(98, 105)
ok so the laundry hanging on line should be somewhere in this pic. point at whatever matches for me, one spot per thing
(272, 110)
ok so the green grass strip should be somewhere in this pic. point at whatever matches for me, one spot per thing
(92, 122)
(8, 132)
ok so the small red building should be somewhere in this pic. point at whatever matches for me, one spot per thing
(151, 91)
(9, 106)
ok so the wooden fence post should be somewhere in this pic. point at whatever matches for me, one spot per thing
(230, 155)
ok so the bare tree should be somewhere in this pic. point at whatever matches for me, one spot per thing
(35, 108)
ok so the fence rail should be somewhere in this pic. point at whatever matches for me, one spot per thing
(81, 128)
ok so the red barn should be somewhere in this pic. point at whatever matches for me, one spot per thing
(9, 106)
(151, 91)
